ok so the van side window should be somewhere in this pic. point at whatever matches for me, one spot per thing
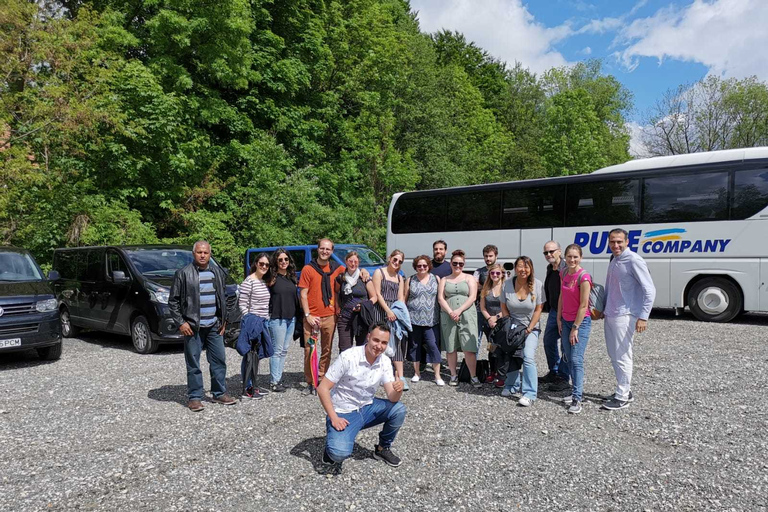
(298, 258)
(95, 265)
(65, 263)
(81, 264)
(115, 262)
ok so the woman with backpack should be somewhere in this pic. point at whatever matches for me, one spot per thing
(574, 322)
(421, 299)
(523, 302)
(389, 288)
(491, 296)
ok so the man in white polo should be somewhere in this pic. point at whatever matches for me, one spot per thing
(347, 395)
(630, 293)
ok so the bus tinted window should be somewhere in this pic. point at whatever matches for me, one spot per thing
(686, 198)
(473, 211)
(750, 193)
(540, 207)
(606, 202)
(418, 214)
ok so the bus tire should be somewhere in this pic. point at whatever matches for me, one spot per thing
(715, 299)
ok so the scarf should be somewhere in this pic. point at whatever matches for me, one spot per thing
(326, 279)
(350, 281)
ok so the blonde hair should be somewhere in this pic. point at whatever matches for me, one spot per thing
(488, 284)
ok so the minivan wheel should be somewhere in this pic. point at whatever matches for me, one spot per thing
(51, 353)
(67, 329)
(142, 336)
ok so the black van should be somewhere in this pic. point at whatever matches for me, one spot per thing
(124, 289)
(29, 314)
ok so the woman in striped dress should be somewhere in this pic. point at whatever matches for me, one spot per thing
(389, 287)
(254, 300)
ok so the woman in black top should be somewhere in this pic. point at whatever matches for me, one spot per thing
(352, 289)
(283, 302)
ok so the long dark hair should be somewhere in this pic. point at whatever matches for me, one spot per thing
(255, 264)
(527, 261)
(290, 272)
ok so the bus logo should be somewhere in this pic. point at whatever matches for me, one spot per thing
(662, 241)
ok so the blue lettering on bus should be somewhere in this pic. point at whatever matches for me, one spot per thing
(655, 242)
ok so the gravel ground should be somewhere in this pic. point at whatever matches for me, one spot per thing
(105, 428)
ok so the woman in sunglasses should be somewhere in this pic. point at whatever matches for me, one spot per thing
(254, 300)
(458, 318)
(283, 304)
(491, 296)
(421, 298)
(523, 301)
(388, 285)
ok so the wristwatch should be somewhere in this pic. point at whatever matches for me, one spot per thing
(306, 315)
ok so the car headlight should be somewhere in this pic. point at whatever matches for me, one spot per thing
(46, 305)
(160, 295)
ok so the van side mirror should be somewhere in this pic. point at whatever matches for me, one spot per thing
(119, 277)
(53, 275)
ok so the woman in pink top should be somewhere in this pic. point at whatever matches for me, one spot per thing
(573, 321)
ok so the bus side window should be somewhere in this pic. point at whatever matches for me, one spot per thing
(414, 214)
(686, 198)
(750, 193)
(595, 203)
(533, 207)
(473, 211)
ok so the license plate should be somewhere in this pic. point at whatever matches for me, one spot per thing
(13, 342)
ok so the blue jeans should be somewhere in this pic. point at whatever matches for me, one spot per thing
(339, 443)
(573, 355)
(552, 347)
(530, 376)
(207, 338)
(281, 332)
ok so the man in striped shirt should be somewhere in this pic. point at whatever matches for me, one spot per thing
(198, 305)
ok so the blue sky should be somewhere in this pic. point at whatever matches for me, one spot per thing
(649, 45)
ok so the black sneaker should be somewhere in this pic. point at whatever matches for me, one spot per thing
(630, 399)
(327, 460)
(614, 405)
(263, 391)
(386, 455)
(559, 384)
(277, 388)
(252, 394)
(548, 378)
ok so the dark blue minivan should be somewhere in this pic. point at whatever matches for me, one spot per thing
(303, 254)
(29, 312)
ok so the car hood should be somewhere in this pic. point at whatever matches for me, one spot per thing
(24, 288)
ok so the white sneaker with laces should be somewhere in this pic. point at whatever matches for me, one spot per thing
(524, 401)
(415, 378)
(440, 382)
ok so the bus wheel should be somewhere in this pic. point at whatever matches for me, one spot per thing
(142, 336)
(714, 299)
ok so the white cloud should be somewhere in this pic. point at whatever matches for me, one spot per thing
(504, 28)
(586, 51)
(636, 146)
(727, 36)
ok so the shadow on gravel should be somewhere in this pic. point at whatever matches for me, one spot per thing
(22, 359)
(178, 393)
(687, 316)
(312, 450)
(120, 342)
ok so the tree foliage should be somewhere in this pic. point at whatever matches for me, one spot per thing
(258, 122)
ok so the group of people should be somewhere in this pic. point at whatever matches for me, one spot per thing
(438, 308)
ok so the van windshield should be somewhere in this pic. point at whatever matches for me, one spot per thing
(160, 262)
(367, 256)
(16, 266)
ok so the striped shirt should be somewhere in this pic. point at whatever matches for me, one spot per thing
(207, 298)
(254, 297)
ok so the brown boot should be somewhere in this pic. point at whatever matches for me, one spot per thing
(195, 405)
(225, 400)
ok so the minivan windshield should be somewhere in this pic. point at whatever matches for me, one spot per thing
(15, 266)
(367, 256)
(160, 262)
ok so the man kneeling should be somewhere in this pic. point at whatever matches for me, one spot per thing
(347, 394)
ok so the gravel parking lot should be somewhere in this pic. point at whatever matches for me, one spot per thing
(106, 428)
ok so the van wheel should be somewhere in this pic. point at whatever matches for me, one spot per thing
(67, 329)
(50, 353)
(714, 299)
(142, 336)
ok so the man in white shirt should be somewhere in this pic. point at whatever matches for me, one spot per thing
(347, 395)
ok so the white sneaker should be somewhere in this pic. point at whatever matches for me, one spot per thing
(415, 378)
(440, 382)
(524, 402)
(568, 399)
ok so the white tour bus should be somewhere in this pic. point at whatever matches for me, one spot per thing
(699, 220)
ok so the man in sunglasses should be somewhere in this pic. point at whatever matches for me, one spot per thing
(558, 376)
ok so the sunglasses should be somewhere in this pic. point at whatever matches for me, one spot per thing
(262, 264)
(422, 266)
(281, 260)
(547, 253)
(496, 273)
(457, 263)
(395, 260)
